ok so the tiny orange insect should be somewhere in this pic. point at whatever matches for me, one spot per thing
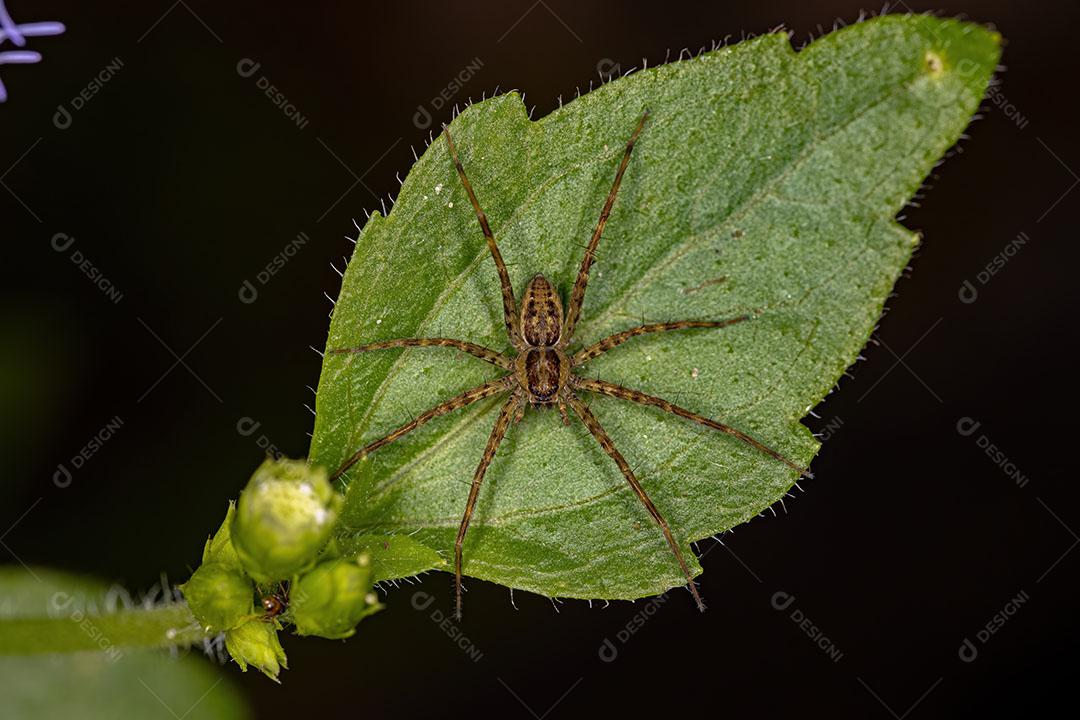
(275, 603)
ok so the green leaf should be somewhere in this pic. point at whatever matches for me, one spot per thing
(107, 679)
(393, 556)
(765, 179)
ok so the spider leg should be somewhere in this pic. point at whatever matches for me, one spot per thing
(479, 351)
(562, 412)
(457, 402)
(601, 347)
(577, 295)
(582, 410)
(510, 313)
(617, 391)
(510, 408)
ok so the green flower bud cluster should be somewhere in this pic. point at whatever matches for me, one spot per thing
(220, 593)
(331, 599)
(279, 532)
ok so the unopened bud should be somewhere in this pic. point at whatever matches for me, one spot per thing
(283, 519)
(331, 599)
(220, 597)
(256, 643)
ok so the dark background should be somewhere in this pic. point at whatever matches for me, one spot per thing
(180, 180)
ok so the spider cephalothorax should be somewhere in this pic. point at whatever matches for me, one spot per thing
(542, 373)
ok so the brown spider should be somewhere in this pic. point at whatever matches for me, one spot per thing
(541, 374)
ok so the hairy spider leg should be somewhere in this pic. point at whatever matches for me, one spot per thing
(618, 391)
(510, 313)
(509, 410)
(485, 354)
(492, 387)
(601, 347)
(582, 410)
(577, 295)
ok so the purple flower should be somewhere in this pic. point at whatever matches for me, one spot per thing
(17, 34)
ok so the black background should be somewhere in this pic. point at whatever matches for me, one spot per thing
(179, 180)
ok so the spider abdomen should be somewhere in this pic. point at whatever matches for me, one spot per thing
(542, 372)
(541, 313)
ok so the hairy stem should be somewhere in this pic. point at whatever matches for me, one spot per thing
(169, 625)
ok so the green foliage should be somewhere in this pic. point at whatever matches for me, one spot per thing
(65, 613)
(766, 179)
(92, 664)
(393, 556)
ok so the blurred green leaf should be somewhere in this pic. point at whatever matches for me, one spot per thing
(765, 179)
(64, 613)
(111, 681)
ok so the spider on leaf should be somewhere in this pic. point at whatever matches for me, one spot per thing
(542, 373)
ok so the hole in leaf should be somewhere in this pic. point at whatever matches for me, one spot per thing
(934, 64)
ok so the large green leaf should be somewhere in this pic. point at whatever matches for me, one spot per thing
(765, 179)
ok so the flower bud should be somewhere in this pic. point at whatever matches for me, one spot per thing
(220, 597)
(256, 643)
(283, 519)
(331, 599)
